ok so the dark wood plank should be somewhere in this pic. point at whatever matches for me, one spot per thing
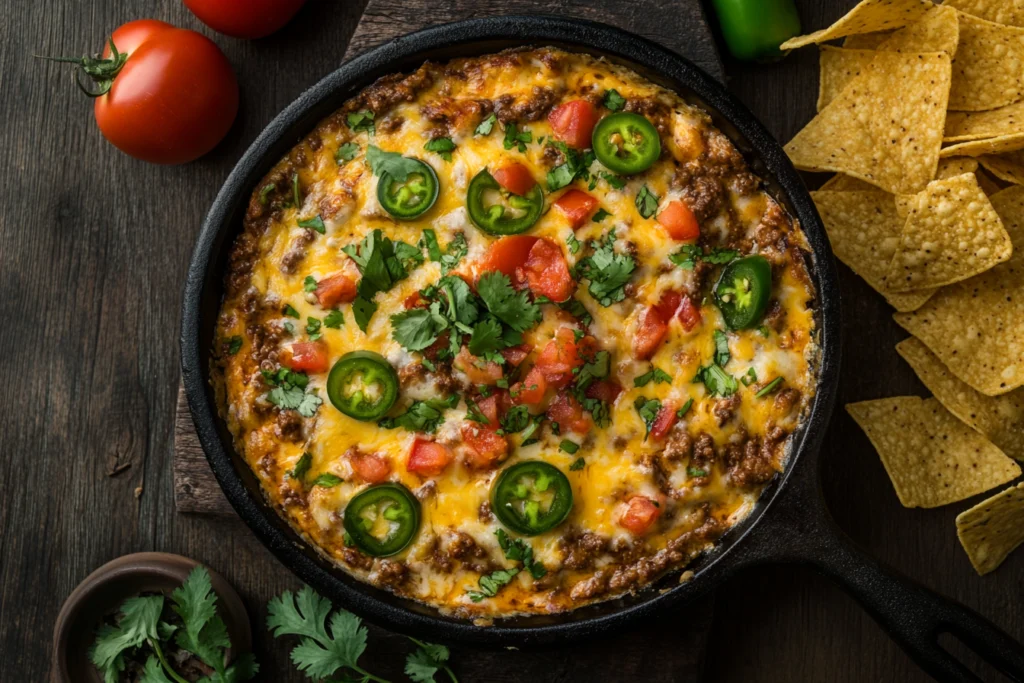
(195, 487)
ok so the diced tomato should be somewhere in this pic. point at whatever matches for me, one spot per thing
(568, 413)
(508, 254)
(369, 467)
(604, 390)
(489, 407)
(649, 333)
(478, 370)
(515, 178)
(664, 421)
(308, 357)
(558, 359)
(546, 271)
(514, 355)
(679, 222)
(573, 123)
(668, 304)
(531, 390)
(428, 458)
(577, 206)
(335, 289)
(486, 447)
(415, 300)
(689, 314)
(433, 352)
(640, 515)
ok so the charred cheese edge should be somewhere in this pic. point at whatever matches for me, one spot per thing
(273, 256)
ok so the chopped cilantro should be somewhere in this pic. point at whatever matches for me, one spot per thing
(361, 120)
(616, 181)
(382, 264)
(421, 416)
(577, 465)
(398, 167)
(656, 375)
(234, 344)
(770, 388)
(314, 223)
(519, 550)
(600, 216)
(607, 270)
(334, 319)
(681, 413)
(716, 380)
(309, 284)
(568, 446)
(517, 138)
(296, 194)
(265, 192)
(646, 202)
(487, 125)
(515, 420)
(443, 147)
(302, 466)
(688, 255)
(327, 480)
(647, 409)
(346, 152)
(573, 243)
(417, 328)
(511, 307)
(362, 310)
(750, 377)
(696, 472)
(576, 165)
(313, 326)
(473, 412)
(613, 100)
(491, 583)
(290, 311)
(722, 354)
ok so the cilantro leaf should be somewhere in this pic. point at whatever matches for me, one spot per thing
(515, 420)
(265, 192)
(491, 583)
(486, 126)
(770, 388)
(327, 480)
(656, 375)
(577, 464)
(417, 328)
(486, 337)
(309, 284)
(334, 319)
(688, 255)
(717, 381)
(576, 165)
(302, 466)
(204, 633)
(430, 243)
(361, 120)
(153, 672)
(314, 223)
(398, 167)
(613, 100)
(568, 446)
(363, 310)
(511, 307)
(234, 344)
(646, 202)
(420, 416)
(516, 138)
(681, 413)
(722, 354)
(519, 550)
(139, 621)
(648, 410)
(443, 147)
(320, 653)
(599, 216)
(616, 181)
(607, 270)
(290, 311)
(347, 152)
(426, 661)
(749, 377)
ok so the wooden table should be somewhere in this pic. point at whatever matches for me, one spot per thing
(93, 249)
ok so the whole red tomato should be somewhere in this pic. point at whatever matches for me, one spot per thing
(245, 18)
(162, 94)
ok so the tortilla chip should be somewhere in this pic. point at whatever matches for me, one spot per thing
(885, 127)
(1008, 167)
(1010, 12)
(937, 31)
(952, 233)
(977, 148)
(999, 418)
(986, 183)
(976, 327)
(993, 528)
(864, 231)
(844, 183)
(931, 457)
(988, 70)
(867, 17)
(954, 167)
(962, 125)
(837, 67)
(866, 41)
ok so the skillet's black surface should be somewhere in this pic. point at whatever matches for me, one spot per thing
(790, 522)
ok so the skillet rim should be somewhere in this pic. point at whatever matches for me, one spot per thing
(446, 41)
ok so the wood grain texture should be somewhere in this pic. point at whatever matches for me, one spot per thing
(93, 250)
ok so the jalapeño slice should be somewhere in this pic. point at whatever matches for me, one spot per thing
(363, 385)
(626, 143)
(499, 212)
(743, 291)
(412, 198)
(531, 497)
(383, 519)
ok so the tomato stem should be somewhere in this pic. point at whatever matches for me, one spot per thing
(101, 70)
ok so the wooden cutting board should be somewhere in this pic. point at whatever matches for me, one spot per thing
(667, 649)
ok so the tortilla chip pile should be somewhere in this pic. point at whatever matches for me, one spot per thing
(921, 117)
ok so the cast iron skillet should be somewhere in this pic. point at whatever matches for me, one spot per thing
(789, 524)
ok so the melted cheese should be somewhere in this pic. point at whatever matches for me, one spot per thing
(618, 458)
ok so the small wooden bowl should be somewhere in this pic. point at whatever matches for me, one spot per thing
(103, 590)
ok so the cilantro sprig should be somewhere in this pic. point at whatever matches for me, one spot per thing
(607, 270)
(197, 630)
(382, 263)
(688, 255)
(289, 391)
(421, 416)
(331, 644)
(576, 165)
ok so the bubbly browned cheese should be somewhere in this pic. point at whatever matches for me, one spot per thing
(706, 475)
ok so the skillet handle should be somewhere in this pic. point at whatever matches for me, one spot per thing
(913, 615)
